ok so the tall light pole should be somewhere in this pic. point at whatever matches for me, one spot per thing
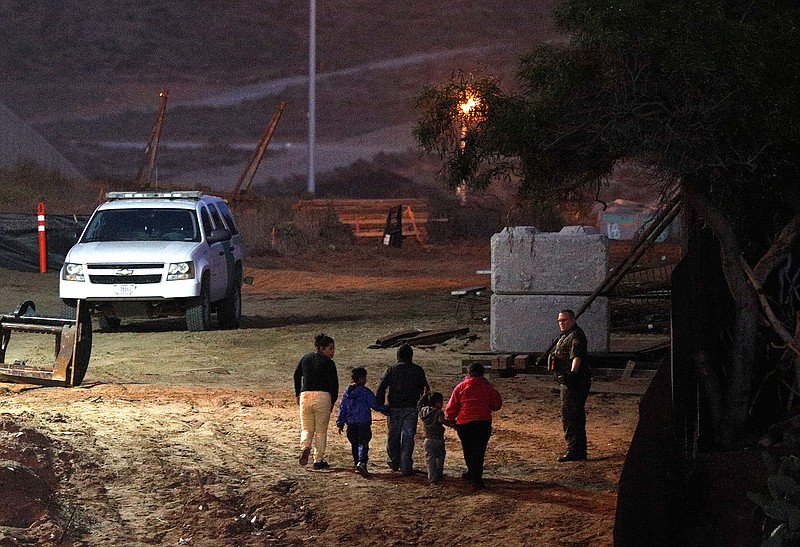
(312, 93)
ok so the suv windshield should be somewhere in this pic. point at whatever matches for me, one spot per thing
(143, 225)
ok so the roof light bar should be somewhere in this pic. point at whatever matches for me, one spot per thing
(184, 194)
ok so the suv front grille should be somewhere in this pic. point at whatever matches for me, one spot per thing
(124, 279)
(127, 266)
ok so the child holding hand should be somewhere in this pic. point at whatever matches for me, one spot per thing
(355, 411)
(432, 416)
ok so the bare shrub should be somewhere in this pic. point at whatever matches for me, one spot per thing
(260, 219)
(323, 226)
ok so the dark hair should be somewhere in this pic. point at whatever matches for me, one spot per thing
(358, 373)
(475, 369)
(434, 398)
(568, 312)
(322, 341)
(405, 353)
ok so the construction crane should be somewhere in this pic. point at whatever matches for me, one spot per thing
(246, 178)
(145, 175)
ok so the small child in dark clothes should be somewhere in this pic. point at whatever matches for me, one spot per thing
(432, 416)
(355, 411)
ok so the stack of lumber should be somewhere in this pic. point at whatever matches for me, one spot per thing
(367, 217)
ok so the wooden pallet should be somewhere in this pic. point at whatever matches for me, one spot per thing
(367, 217)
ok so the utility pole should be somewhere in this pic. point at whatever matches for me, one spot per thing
(246, 178)
(145, 175)
(312, 94)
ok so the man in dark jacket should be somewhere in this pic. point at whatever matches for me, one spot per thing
(406, 383)
(569, 361)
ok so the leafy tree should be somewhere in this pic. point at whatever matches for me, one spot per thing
(705, 95)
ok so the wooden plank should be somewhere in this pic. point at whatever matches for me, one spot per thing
(361, 204)
(391, 338)
(434, 337)
(628, 370)
(468, 290)
(377, 217)
(381, 234)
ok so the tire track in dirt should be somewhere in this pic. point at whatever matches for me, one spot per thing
(170, 470)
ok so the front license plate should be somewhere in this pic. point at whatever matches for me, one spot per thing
(124, 290)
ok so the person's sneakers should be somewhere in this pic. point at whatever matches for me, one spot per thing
(322, 464)
(407, 472)
(393, 467)
(361, 469)
(570, 457)
(466, 476)
(478, 484)
(304, 456)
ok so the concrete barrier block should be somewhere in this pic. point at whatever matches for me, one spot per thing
(525, 261)
(527, 323)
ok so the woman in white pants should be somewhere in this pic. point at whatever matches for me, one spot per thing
(316, 386)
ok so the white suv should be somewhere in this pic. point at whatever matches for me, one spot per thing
(157, 254)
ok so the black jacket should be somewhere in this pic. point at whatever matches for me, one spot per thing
(315, 372)
(406, 383)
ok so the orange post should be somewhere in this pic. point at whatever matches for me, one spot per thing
(42, 239)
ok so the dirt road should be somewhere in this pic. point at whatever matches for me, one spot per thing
(181, 438)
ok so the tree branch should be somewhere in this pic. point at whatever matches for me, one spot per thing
(788, 340)
(779, 250)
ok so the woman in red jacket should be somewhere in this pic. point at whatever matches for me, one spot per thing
(470, 407)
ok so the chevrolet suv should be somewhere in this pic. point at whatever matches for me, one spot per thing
(157, 254)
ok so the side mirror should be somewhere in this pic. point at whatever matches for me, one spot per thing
(223, 234)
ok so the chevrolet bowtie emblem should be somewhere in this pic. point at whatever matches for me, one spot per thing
(124, 272)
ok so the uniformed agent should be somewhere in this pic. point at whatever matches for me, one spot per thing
(568, 361)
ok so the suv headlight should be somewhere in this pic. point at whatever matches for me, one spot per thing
(180, 270)
(72, 272)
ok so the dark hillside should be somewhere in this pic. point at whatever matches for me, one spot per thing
(87, 73)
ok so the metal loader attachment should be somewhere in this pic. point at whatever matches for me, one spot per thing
(72, 348)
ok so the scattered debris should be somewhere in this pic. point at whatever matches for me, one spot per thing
(419, 337)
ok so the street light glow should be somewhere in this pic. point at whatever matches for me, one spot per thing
(470, 104)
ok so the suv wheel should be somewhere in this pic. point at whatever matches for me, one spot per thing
(229, 310)
(198, 314)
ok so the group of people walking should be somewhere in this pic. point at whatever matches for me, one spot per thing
(405, 397)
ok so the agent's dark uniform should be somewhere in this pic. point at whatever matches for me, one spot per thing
(574, 389)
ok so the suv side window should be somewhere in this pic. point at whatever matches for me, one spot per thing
(206, 219)
(226, 214)
(215, 215)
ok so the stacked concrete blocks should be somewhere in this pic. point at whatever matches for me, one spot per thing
(537, 274)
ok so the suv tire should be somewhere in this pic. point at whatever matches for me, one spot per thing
(198, 313)
(229, 310)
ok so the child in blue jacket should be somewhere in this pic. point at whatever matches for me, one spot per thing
(355, 411)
